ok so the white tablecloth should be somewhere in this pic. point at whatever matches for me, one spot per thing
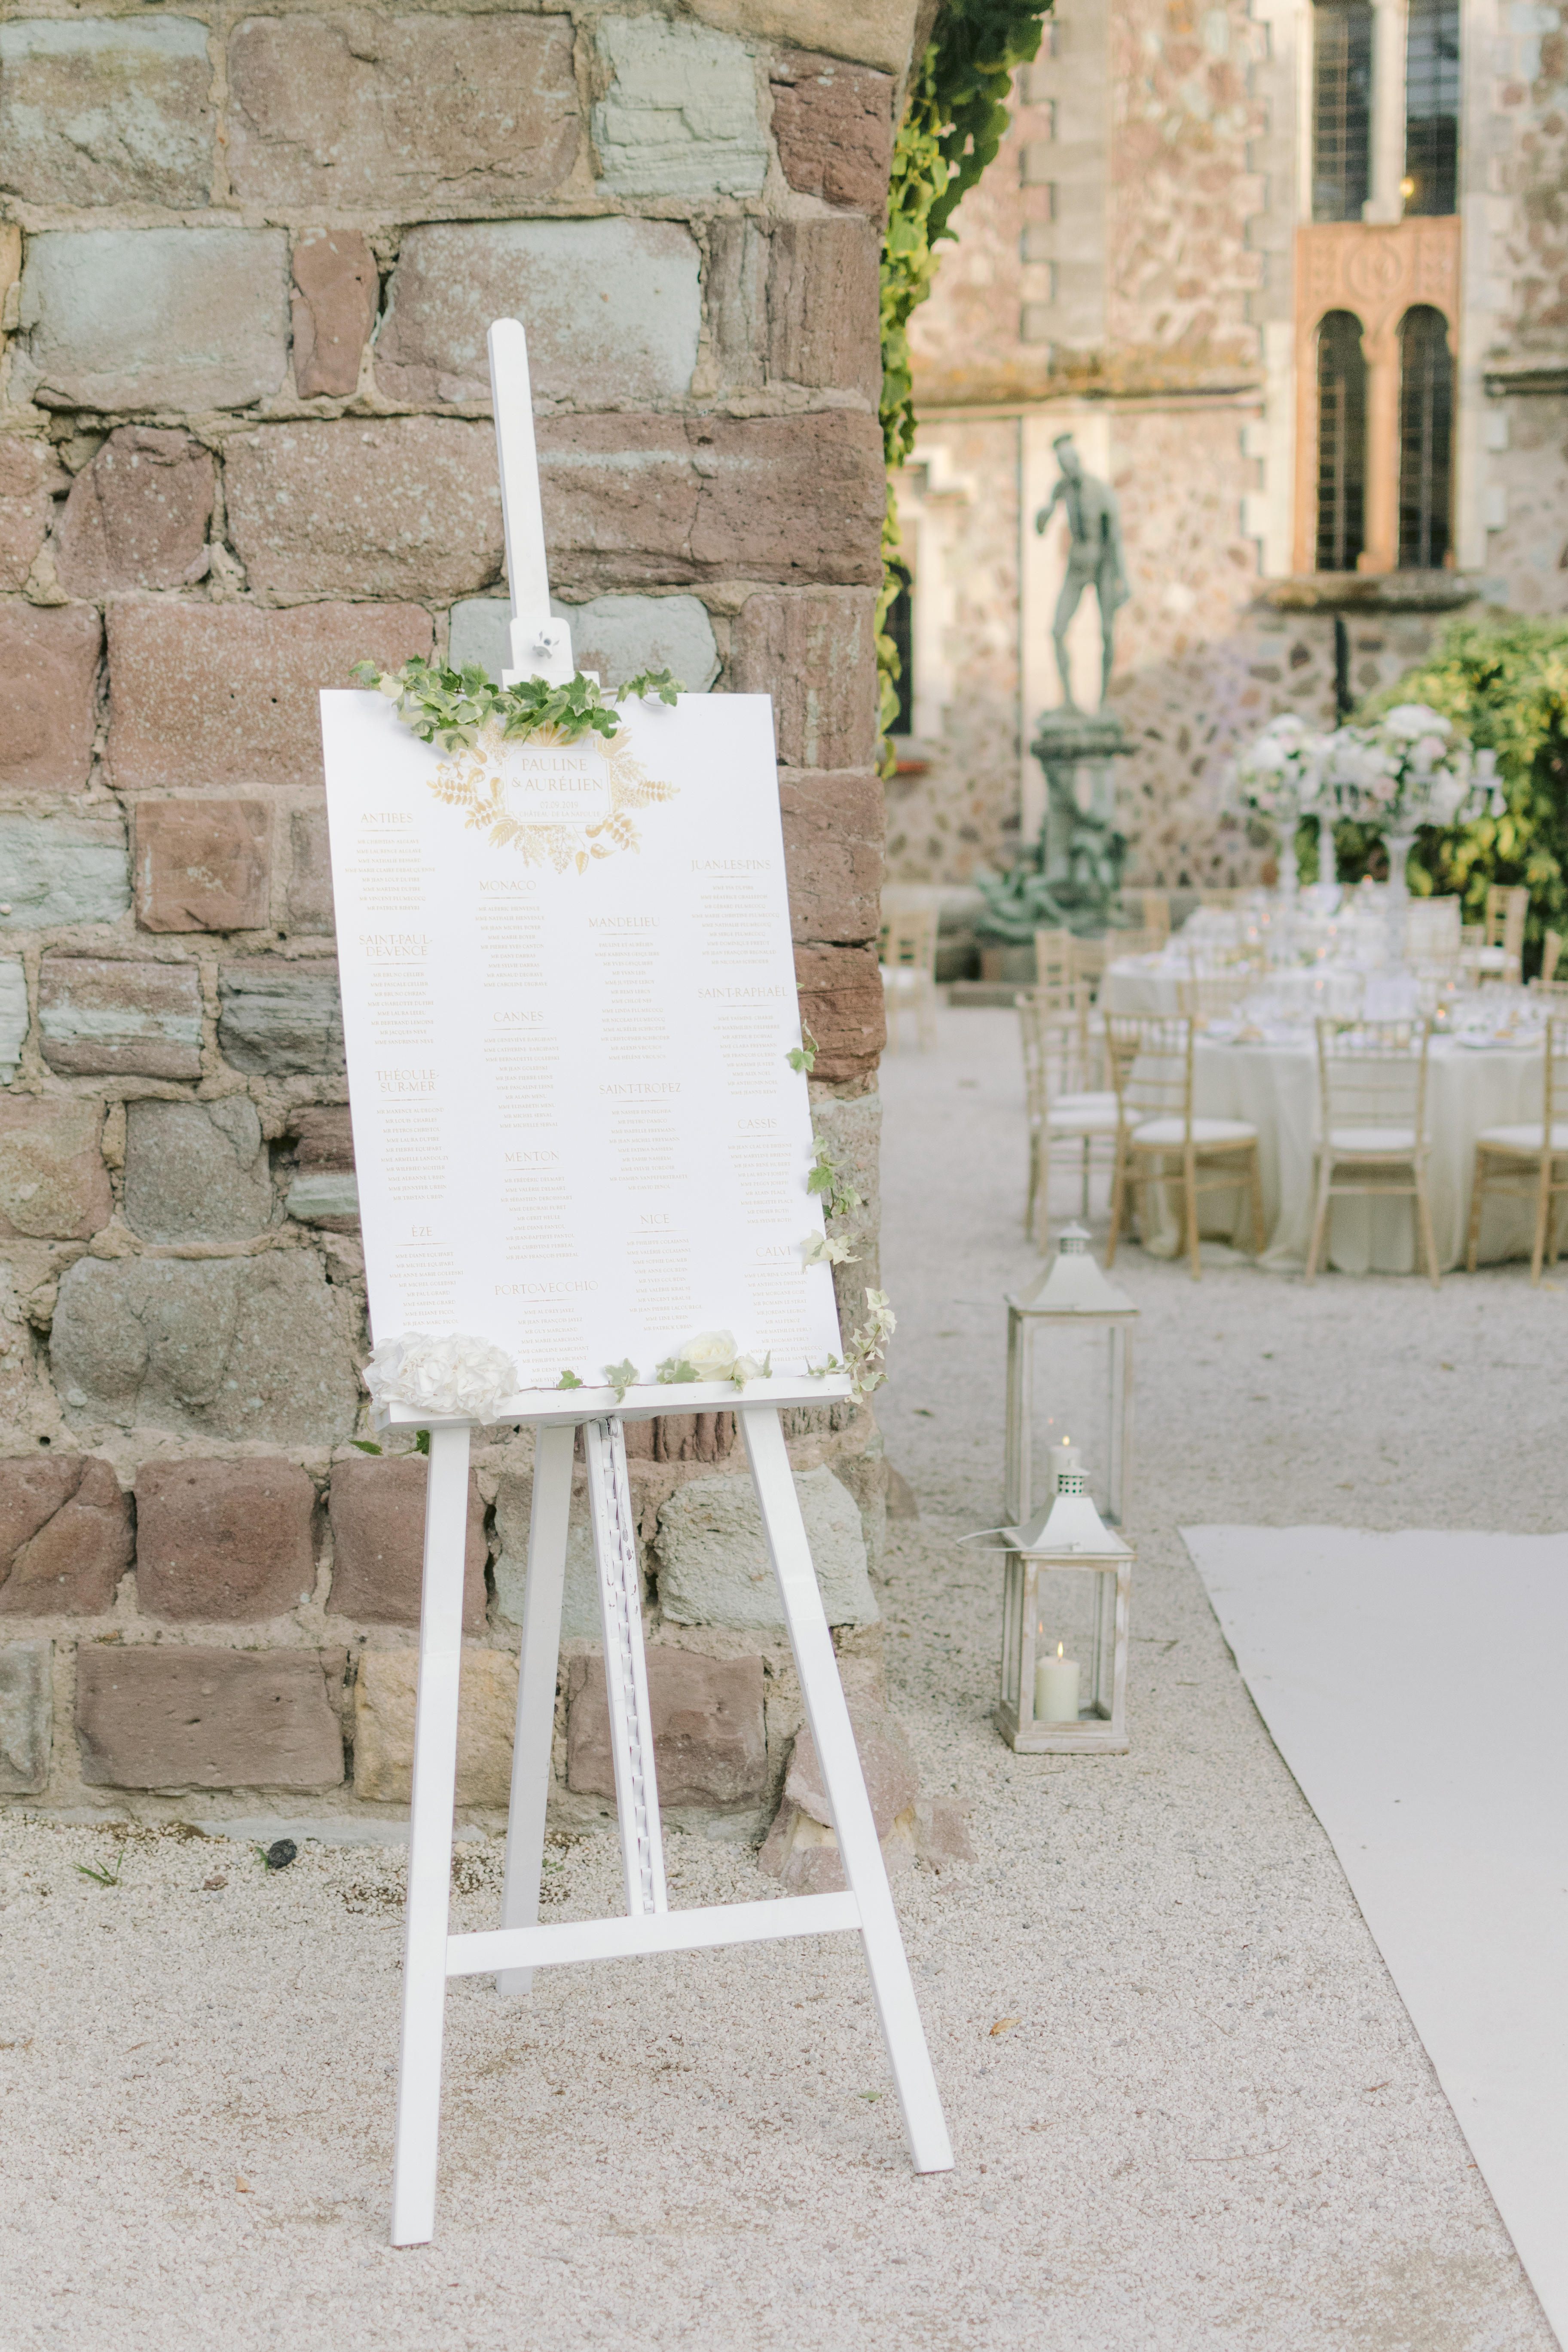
(1151, 987)
(1140, 984)
(1275, 1089)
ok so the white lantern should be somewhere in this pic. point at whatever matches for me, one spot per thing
(1064, 1630)
(1069, 1383)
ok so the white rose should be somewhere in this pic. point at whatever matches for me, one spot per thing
(711, 1355)
(748, 1368)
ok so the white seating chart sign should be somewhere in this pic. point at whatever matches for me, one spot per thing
(569, 998)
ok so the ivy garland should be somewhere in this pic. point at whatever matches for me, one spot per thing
(954, 122)
(450, 707)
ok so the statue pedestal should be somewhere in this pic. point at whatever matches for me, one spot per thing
(1081, 850)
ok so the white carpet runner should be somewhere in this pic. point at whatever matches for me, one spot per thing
(1416, 1685)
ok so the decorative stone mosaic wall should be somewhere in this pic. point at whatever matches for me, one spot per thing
(247, 265)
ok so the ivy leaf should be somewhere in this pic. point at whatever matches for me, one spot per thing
(651, 681)
(804, 1055)
(621, 1377)
(568, 1381)
(364, 1445)
(674, 1370)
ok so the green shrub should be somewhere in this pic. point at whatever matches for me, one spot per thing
(1503, 680)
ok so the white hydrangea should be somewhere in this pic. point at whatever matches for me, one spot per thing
(451, 1378)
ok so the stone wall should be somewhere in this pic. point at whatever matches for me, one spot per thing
(247, 265)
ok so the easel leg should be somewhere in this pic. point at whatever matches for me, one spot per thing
(536, 1687)
(430, 1841)
(625, 1665)
(856, 1831)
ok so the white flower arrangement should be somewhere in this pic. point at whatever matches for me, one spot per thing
(1281, 771)
(1406, 769)
(451, 1378)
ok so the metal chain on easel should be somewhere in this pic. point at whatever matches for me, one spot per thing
(624, 1584)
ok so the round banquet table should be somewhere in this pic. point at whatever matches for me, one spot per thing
(1274, 1087)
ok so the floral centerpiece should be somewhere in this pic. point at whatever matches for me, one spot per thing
(1280, 776)
(1407, 769)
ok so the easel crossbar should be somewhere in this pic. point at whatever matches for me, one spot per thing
(658, 1931)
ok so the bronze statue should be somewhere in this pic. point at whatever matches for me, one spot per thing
(1094, 559)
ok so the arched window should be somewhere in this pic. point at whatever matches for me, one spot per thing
(1425, 439)
(1432, 108)
(1341, 109)
(1341, 443)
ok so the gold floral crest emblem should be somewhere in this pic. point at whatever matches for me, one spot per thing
(476, 781)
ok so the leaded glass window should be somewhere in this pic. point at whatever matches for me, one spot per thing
(1432, 108)
(1341, 443)
(1341, 109)
(1425, 439)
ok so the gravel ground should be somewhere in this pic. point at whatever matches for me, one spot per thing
(1188, 2107)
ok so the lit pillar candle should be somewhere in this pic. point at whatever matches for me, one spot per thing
(1065, 1456)
(1055, 1689)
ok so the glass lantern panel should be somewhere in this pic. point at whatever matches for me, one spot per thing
(1075, 1640)
(1070, 1411)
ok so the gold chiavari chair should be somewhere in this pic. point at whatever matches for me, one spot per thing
(1205, 996)
(1067, 1118)
(1088, 959)
(1498, 953)
(1133, 943)
(1087, 962)
(1372, 1094)
(1152, 910)
(1160, 1141)
(1551, 949)
(907, 958)
(1530, 1161)
(1053, 960)
(1057, 990)
(1432, 932)
(1226, 900)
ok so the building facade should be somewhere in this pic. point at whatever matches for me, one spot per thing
(1292, 274)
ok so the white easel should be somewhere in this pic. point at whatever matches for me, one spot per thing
(542, 645)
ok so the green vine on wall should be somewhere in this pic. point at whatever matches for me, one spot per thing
(954, 125)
